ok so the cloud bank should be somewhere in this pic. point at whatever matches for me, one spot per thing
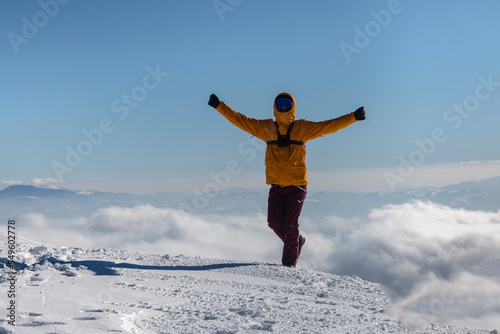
(146, 228)
(436, 263)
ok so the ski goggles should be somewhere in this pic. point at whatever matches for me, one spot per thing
(283, 104)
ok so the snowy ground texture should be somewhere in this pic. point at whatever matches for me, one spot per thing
(75, 290)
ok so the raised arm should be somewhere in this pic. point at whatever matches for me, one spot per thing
(310, 130)
(255, 127)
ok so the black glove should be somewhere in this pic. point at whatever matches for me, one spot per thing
(360, 114)
(214, 101)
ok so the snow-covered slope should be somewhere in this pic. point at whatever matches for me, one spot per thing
(75, 290)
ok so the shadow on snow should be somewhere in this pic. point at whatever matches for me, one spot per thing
(108, 267)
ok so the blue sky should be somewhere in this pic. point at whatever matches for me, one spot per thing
(136, 77)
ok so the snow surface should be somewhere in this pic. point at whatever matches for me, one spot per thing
(76, 290)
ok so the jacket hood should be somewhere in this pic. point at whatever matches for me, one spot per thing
(284, 119)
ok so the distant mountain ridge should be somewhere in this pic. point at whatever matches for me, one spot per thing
(32, 191)
(489, 185)
(18, 199)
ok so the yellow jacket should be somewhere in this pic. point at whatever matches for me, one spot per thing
(285, 166)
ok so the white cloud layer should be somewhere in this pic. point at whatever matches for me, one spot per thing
(158, 230)
(437, 264)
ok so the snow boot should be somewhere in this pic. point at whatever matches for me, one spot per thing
(302, 241)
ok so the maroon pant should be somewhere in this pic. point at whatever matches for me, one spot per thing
(283, 211)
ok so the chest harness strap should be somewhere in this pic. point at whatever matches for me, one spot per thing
(284, 140)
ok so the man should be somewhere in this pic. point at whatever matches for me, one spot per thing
(286, 170)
